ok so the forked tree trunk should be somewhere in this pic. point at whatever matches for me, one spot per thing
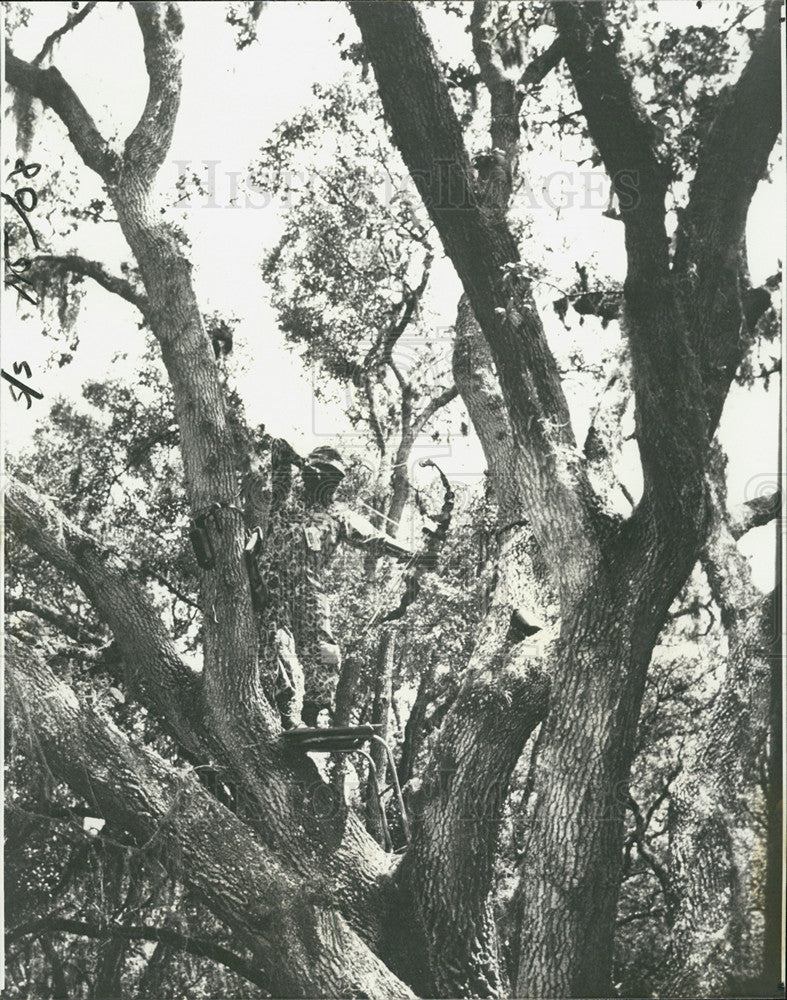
(457, 806)
(228, 721)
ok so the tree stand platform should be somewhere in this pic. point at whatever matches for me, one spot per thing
(347, 740)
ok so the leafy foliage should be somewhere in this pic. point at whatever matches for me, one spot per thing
(348, 274)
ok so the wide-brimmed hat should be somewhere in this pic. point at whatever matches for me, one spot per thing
(326, 458)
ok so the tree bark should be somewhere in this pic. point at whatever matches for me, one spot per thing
(448, 870)
(615, 582)
(156, 674)
(292, 924)
(710, 843)
(708, 267)
(281, 877)
(425, 129)
(383, 693)
(243, 728)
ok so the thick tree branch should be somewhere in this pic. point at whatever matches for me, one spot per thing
(735, 154)
(75, 264)
(451, 827)
(241, 728)
(161, 25)
(426, 131)
(474, 369)
(52, 90)
(624, 136)
(242, 725)
(174, 316)
(155, 672)
(457, 811)
(158, 677)
(53, 924)
(671, 424)
(732, 160)
(303, 941)
(755, 513)
(475, 378)
(241, 715)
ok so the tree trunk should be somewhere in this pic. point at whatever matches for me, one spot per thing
(281, 876)
(710, 839)
(573, 853)
(571, 872)
(381, 710)
(456, 815)
(292, 925)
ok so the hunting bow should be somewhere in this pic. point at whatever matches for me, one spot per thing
(419, 562)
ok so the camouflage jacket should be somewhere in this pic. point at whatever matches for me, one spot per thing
(300, 543)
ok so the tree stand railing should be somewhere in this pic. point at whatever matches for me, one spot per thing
(347, 740)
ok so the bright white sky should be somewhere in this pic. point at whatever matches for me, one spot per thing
(231, 101)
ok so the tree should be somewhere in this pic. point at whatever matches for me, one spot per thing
(615, 581)
(316, 906)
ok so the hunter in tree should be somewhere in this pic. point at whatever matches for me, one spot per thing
(302, 536)
(593, 813)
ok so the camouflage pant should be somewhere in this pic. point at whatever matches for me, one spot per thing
(320, 652)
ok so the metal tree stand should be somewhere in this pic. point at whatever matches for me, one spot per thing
(347, 740)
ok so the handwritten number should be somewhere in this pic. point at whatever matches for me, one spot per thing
(23, 201)
(14, 282)
(22, 211)
(33, 198)
(27, 170)
(20, 387)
